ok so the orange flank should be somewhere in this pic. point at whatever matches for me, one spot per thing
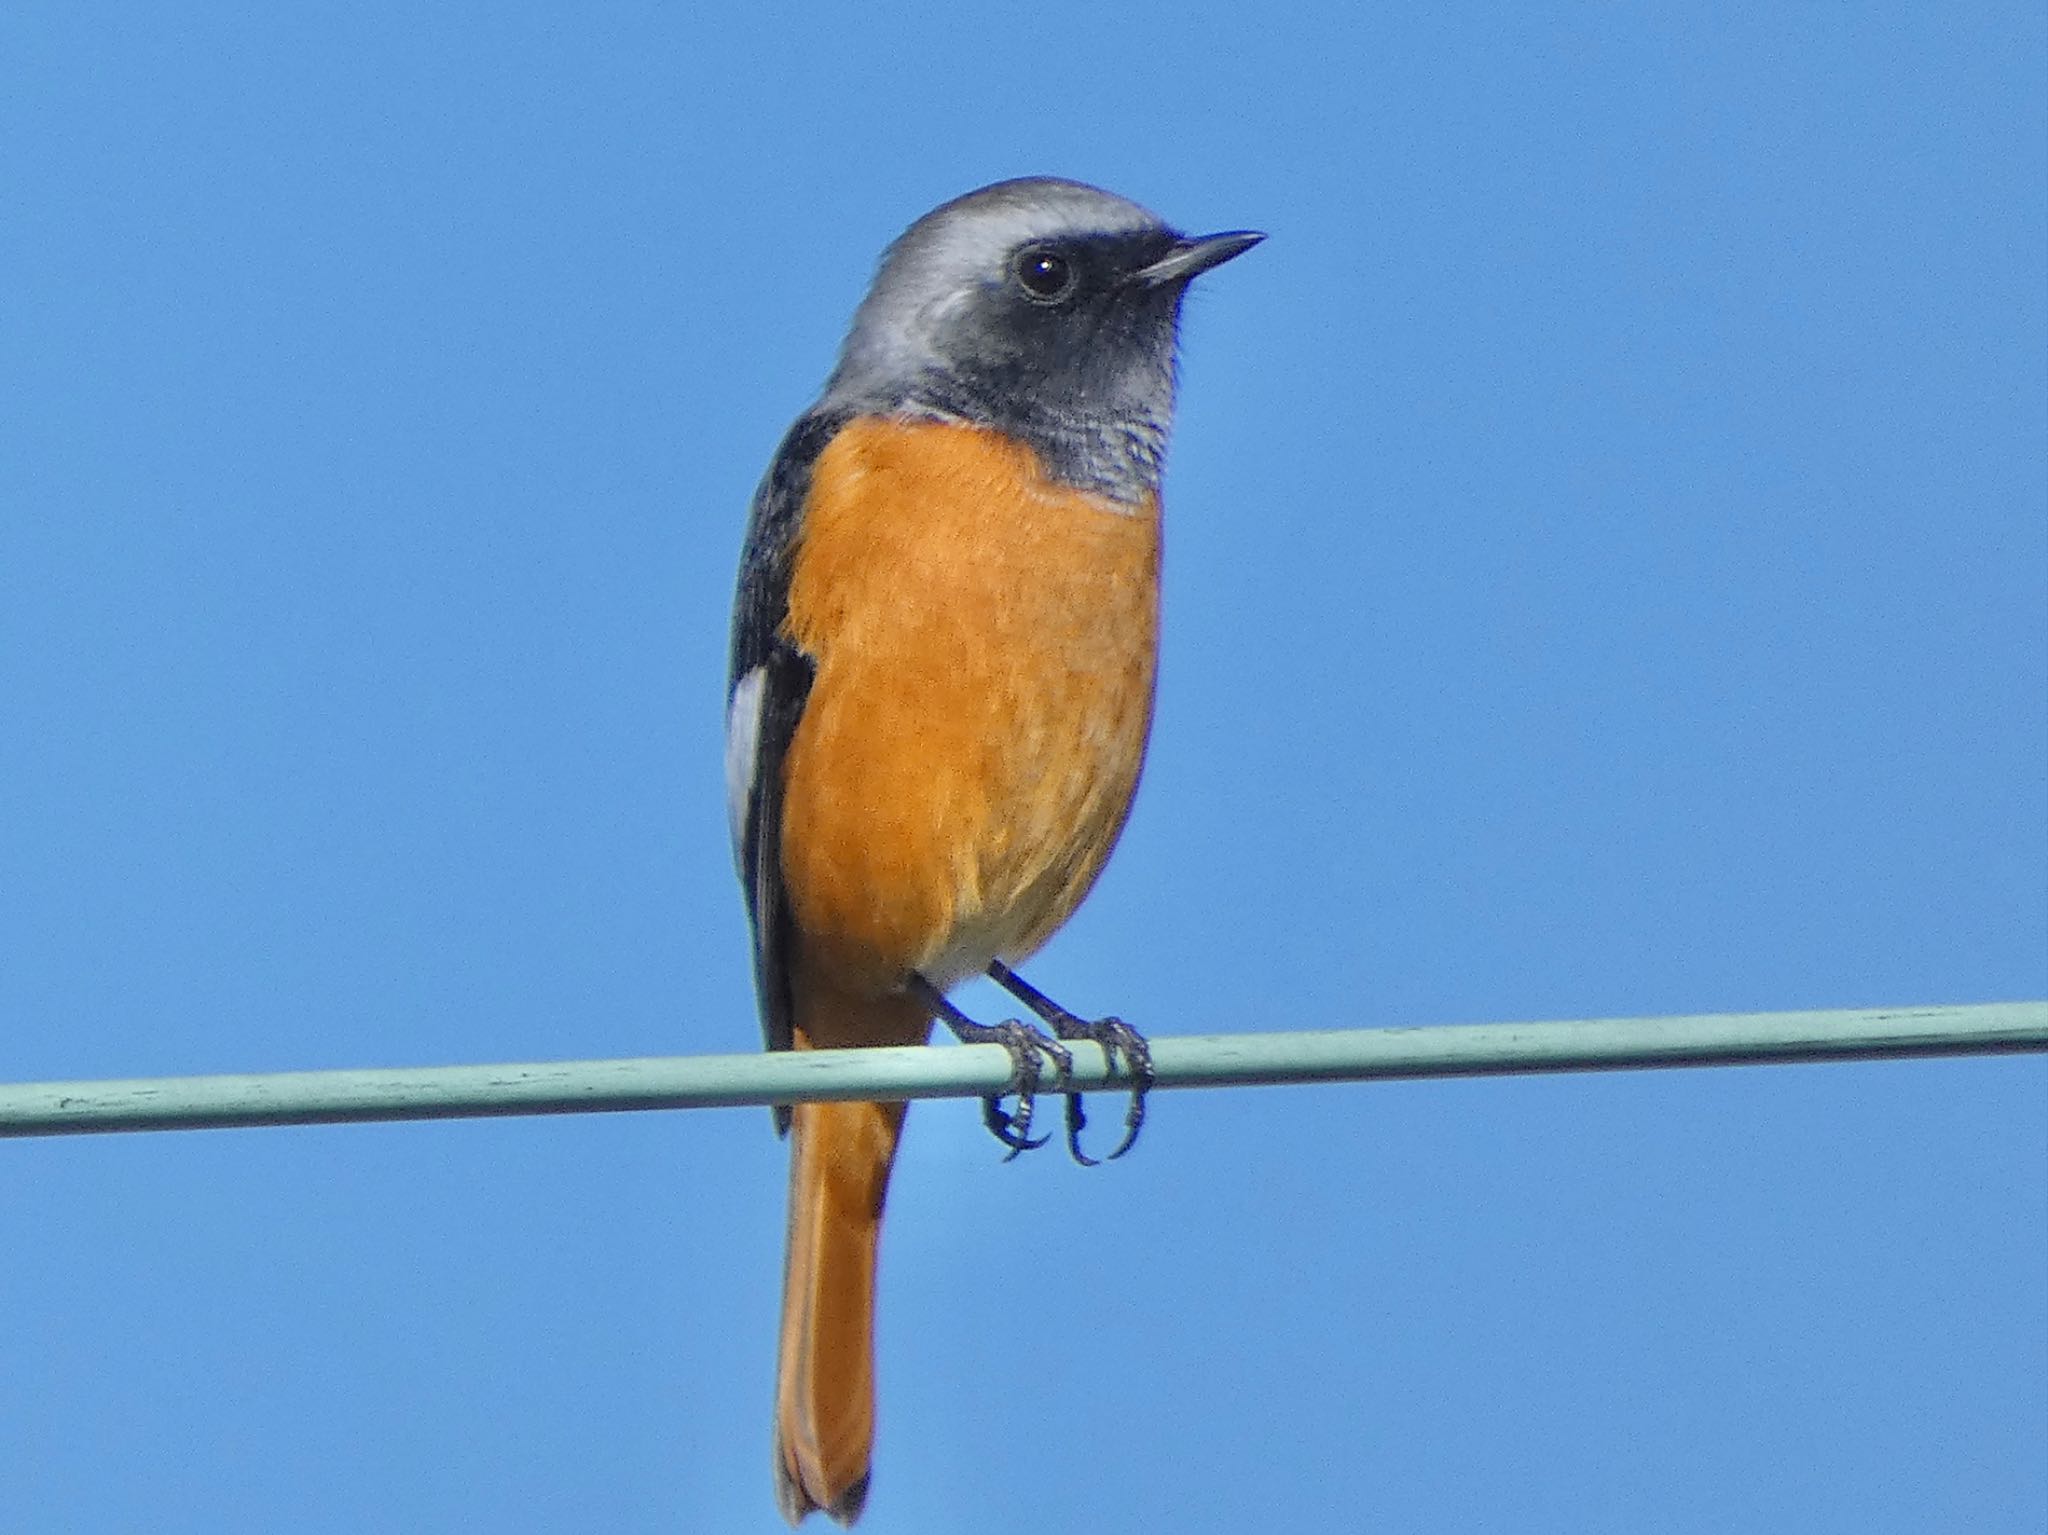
(984, 640)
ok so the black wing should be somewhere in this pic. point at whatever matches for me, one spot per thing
(765, 696)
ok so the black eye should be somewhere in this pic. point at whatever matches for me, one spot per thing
(1044, 273)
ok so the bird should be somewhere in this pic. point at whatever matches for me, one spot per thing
(944, 648)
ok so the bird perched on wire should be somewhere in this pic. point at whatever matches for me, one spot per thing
(942, 679)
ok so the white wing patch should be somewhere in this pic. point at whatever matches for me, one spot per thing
(742, 750)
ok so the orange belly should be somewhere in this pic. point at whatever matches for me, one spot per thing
(985, 643)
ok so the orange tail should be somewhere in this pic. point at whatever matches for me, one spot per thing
(840, 1155)
(839, 1160)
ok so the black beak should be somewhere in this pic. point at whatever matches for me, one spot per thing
(1191, 258)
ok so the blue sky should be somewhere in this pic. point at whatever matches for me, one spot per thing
(1607, 574)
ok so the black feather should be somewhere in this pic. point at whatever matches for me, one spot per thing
(760, 640)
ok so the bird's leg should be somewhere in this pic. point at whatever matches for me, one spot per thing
(1026, 1046)
(1116, 1037)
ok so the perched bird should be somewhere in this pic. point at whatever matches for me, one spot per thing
(942, 678)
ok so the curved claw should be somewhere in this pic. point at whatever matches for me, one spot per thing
(1026, 1046)
(1077, 1121)
(1014, 1131)
(1138, 1057)
(1118, 1040)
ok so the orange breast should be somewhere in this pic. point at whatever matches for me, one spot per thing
(985, 641)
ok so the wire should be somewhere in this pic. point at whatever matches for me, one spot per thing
(923, 1071)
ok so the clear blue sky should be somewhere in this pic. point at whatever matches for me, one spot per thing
(1607, 574)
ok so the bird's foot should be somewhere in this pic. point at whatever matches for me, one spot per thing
(1123, 1048)
(1030, 1051)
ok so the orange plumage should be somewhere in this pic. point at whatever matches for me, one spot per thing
(984, 641)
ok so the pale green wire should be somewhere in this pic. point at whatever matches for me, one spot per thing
(1214, 1060)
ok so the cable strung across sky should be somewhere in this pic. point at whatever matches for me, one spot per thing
(972, 1071)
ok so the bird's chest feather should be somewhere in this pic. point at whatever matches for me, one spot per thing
(985, 642)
